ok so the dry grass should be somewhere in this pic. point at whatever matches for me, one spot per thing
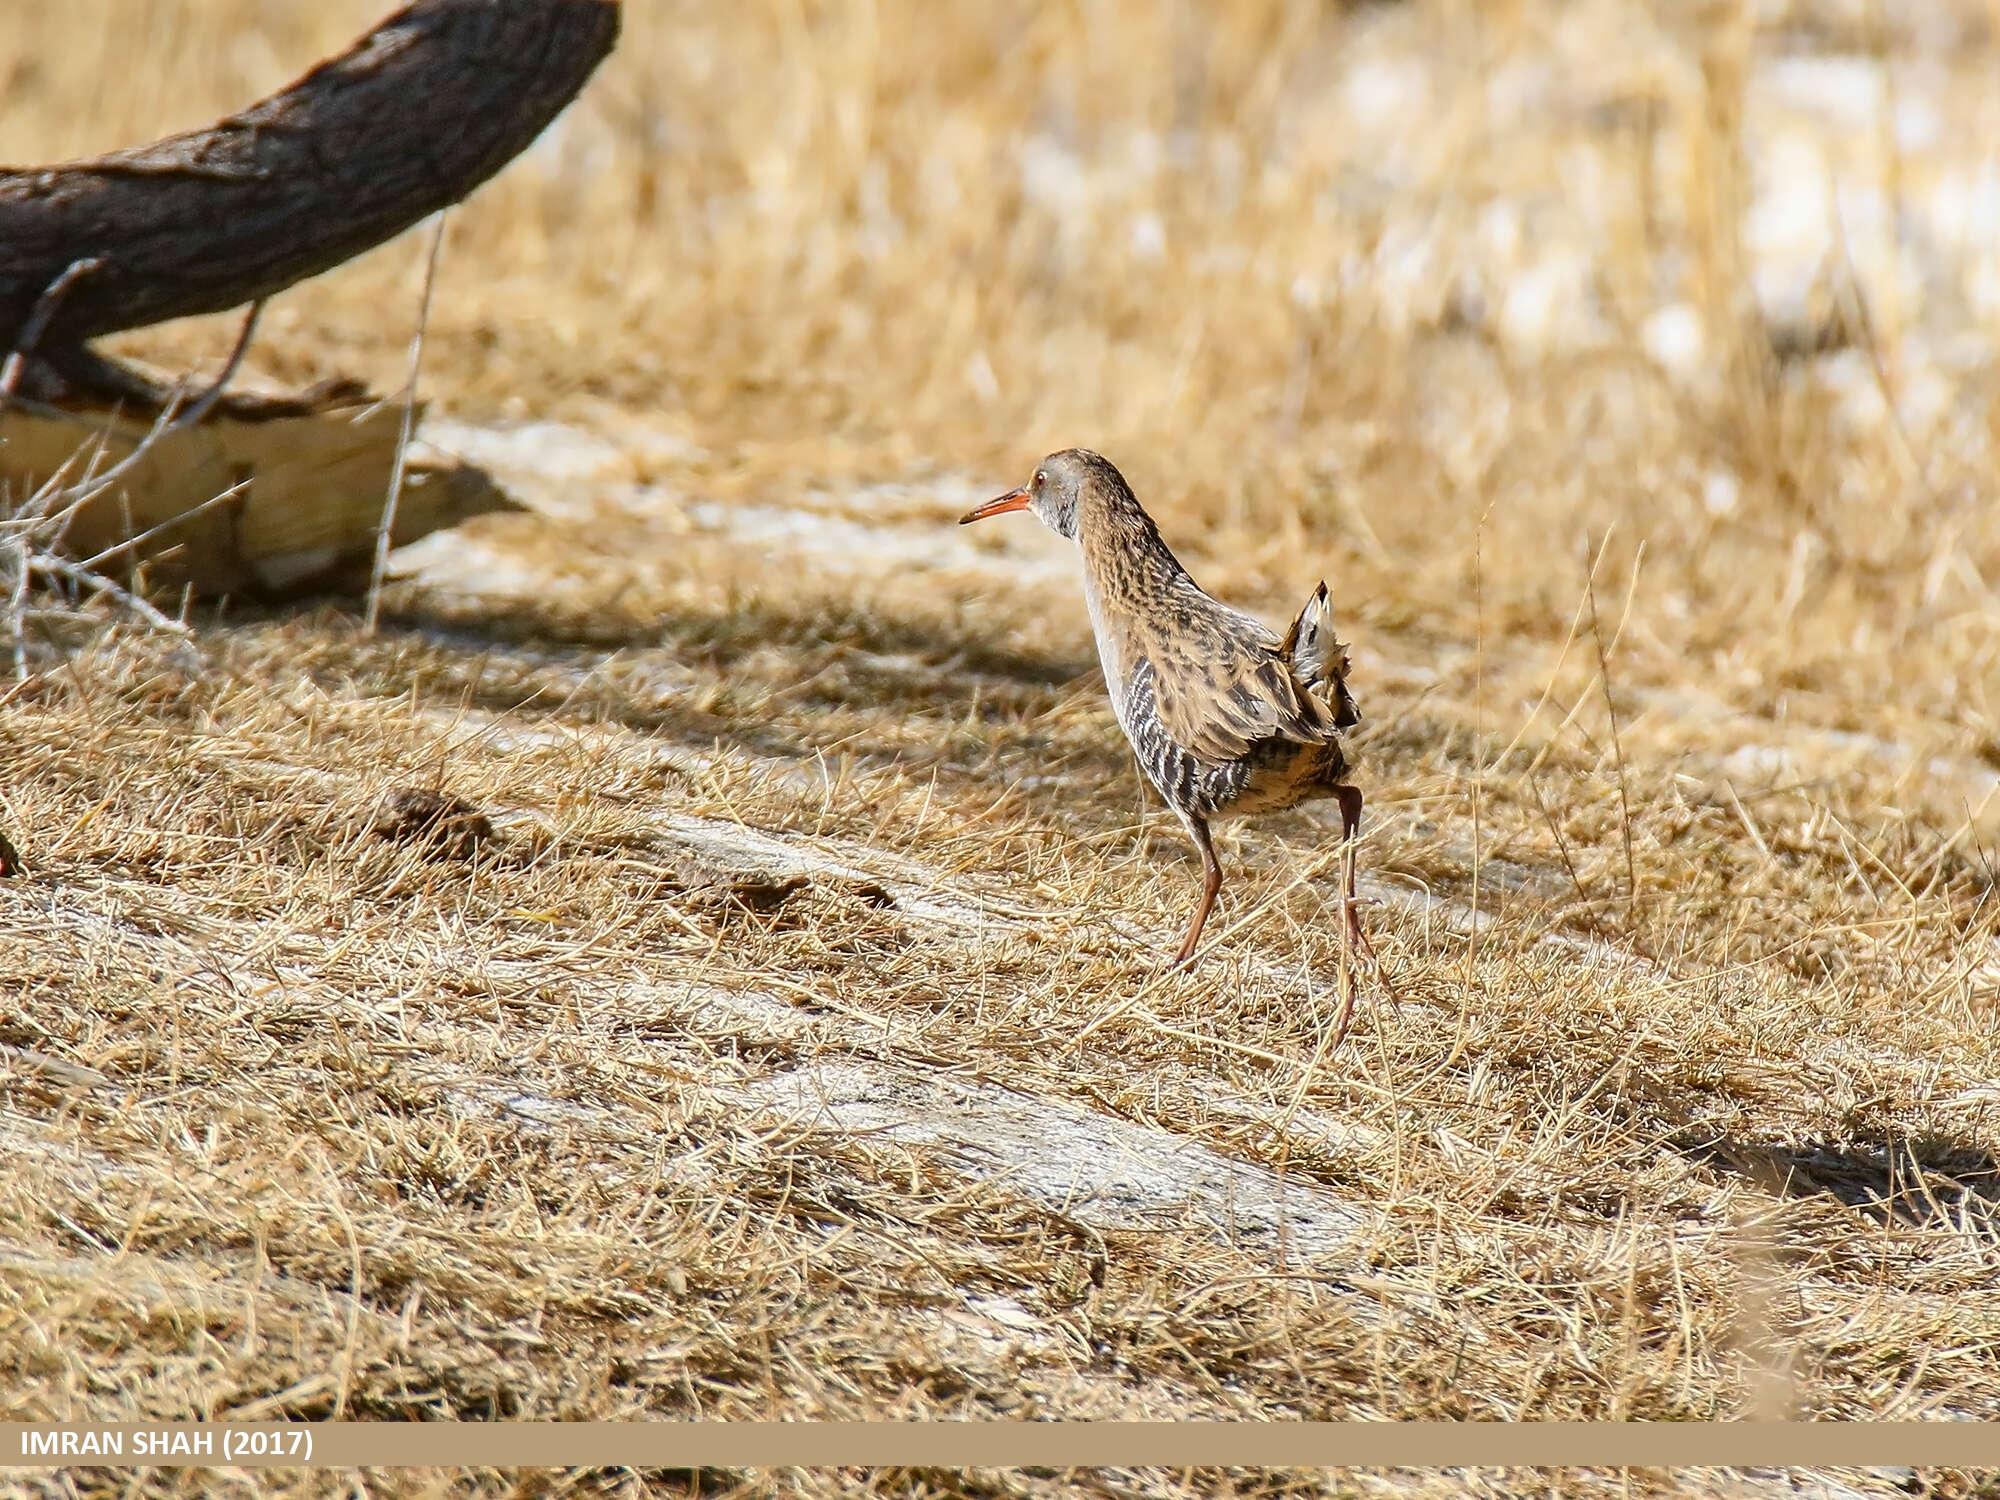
(796, 1043)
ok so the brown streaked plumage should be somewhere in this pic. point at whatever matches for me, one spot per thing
(1226, 717)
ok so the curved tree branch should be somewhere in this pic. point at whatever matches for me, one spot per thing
(410, 119)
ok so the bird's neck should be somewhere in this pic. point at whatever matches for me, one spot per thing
(1124, 555)
(1129, 576)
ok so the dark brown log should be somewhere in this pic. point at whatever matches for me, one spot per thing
(412, 118)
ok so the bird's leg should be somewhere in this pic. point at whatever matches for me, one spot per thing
(1350, 830)
(1211, 870)
(1353, 935)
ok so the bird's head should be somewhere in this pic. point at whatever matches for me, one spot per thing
(1056, 492)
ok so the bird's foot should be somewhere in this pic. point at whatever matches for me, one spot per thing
(1357, 935)
(1358, 944)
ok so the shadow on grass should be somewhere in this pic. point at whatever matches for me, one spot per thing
(1916, 1181)
(721, 636)
(766, 680)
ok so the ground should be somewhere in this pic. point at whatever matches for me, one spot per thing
(779, 1027)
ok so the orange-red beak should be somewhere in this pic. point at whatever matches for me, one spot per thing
(1012, 500)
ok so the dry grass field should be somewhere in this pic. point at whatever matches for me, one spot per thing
(792, 1039)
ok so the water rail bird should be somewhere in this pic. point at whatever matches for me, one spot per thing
(1225, 716)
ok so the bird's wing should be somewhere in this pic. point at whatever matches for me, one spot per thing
(1220, 686)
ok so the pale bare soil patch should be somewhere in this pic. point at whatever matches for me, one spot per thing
(790, 1038)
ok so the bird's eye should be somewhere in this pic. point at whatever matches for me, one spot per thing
(1040, 477)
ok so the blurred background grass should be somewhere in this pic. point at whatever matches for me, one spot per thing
(1388, 292)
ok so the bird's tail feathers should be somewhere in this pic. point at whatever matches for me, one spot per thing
(1319, 660)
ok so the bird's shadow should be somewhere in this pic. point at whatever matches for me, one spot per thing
(1920, 1180)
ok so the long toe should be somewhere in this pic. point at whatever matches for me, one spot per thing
(1357, 934)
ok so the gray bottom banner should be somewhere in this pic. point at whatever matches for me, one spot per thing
(998, 1445)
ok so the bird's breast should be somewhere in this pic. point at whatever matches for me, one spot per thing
(1110, 650)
